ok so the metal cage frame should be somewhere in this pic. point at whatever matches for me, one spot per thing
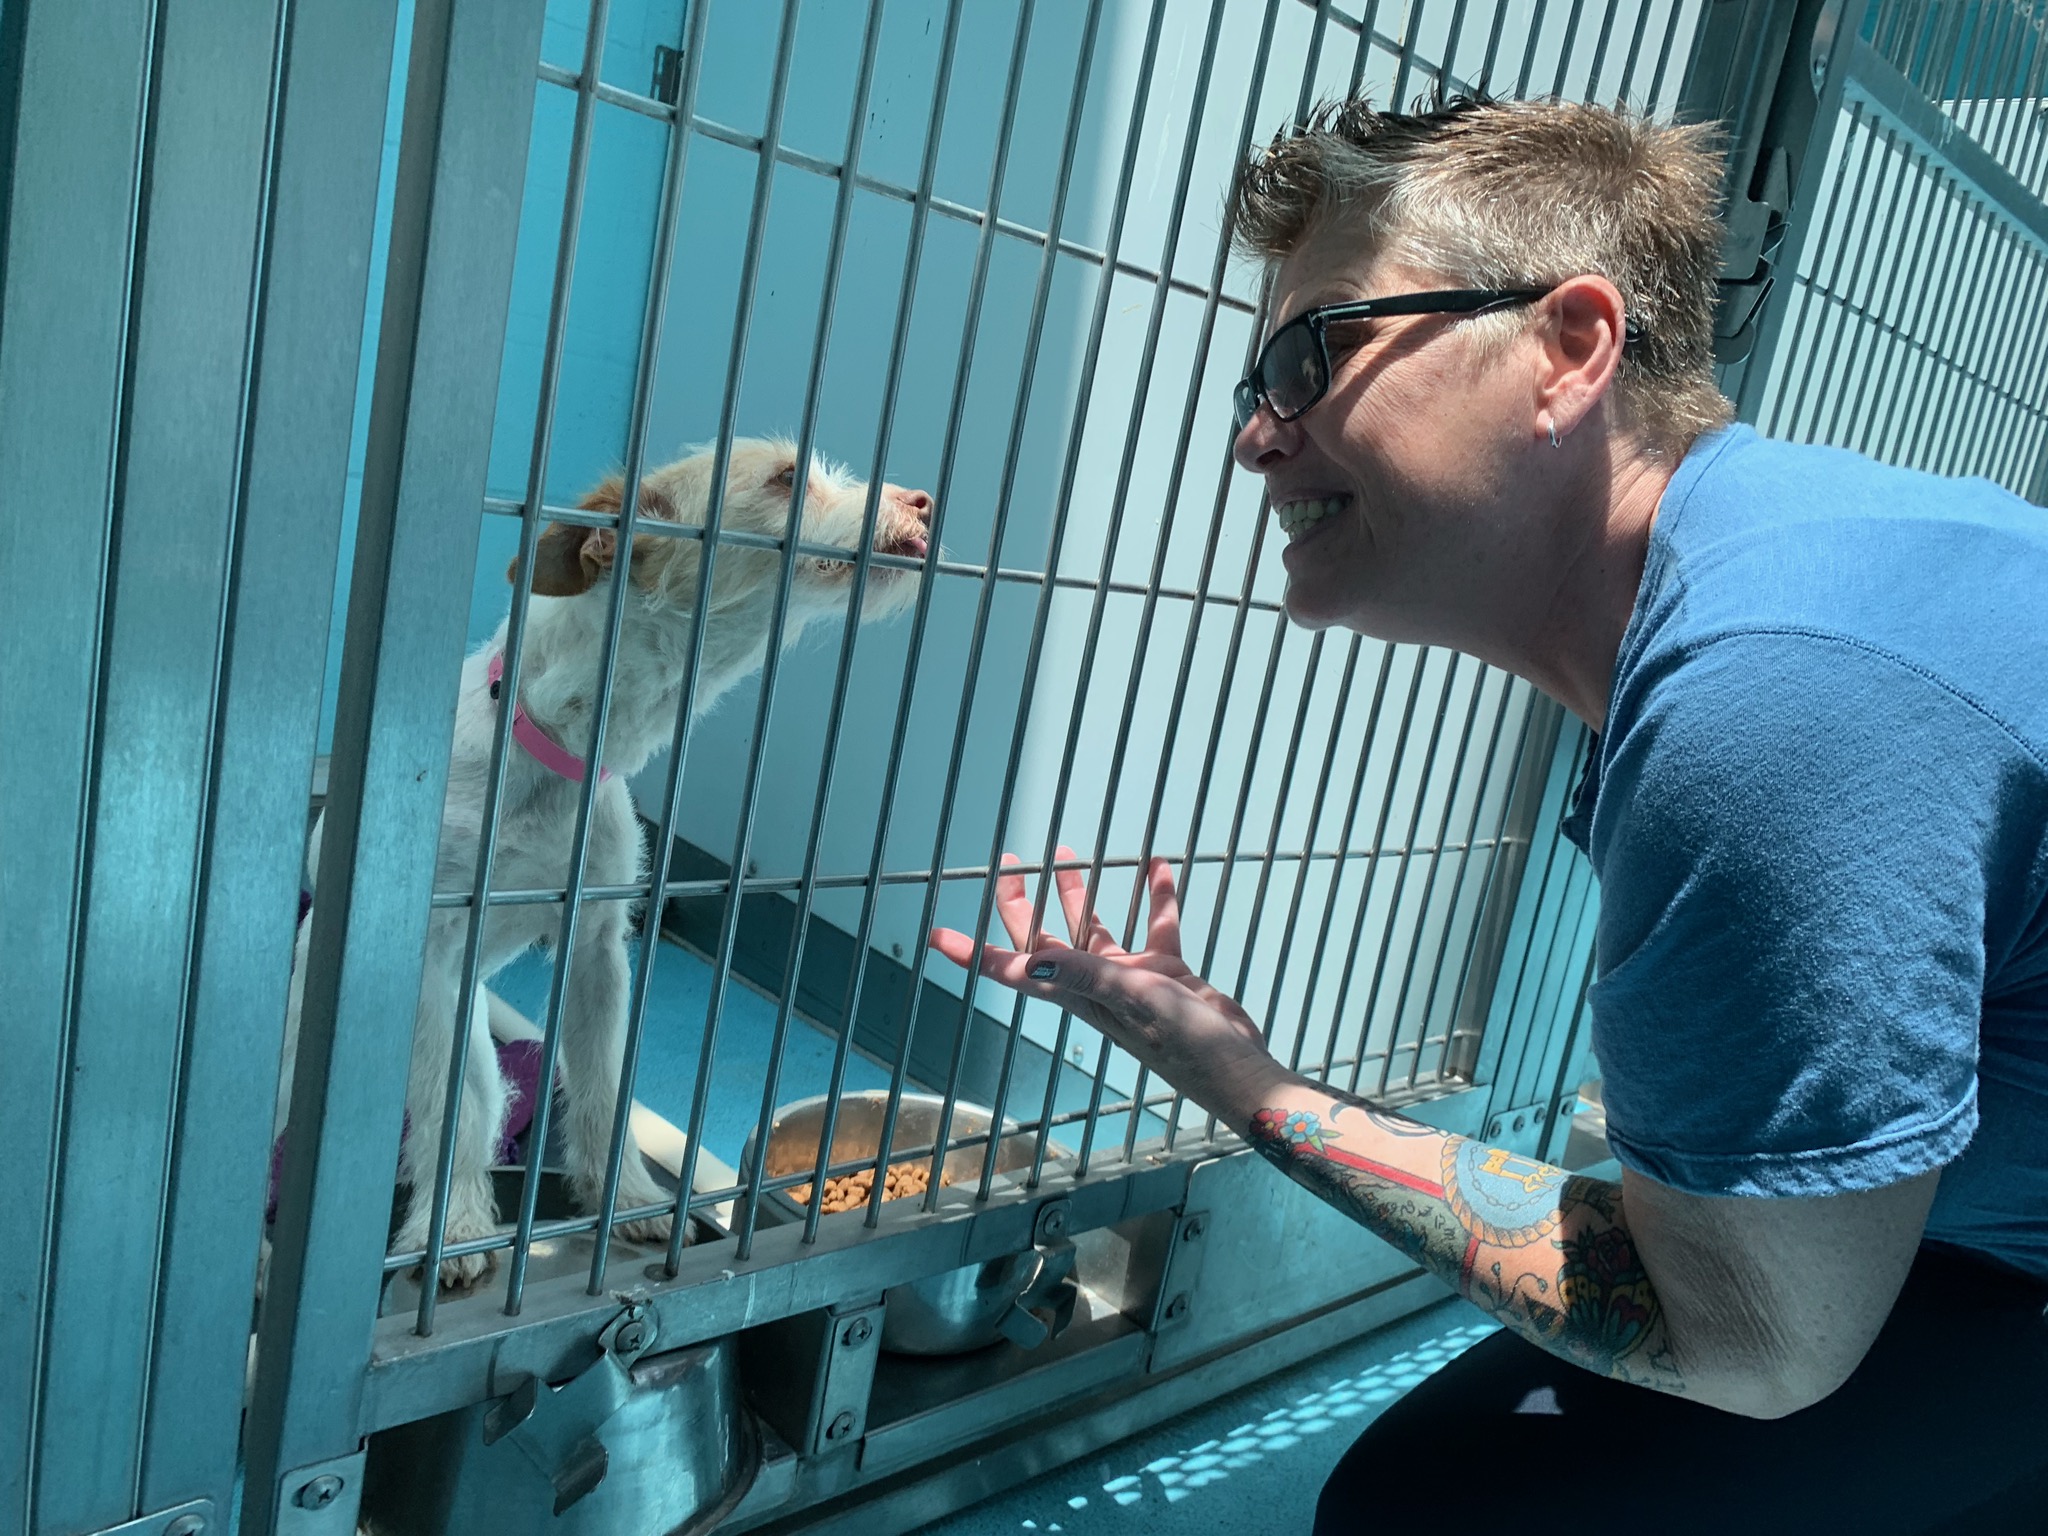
(184, 260)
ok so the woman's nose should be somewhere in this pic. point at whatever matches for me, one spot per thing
(1264, 441)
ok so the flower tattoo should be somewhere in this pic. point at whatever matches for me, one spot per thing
(1291, 1128)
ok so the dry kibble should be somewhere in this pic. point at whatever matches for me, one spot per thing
(850, 1191)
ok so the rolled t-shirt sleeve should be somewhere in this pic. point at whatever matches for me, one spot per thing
(1790, 836)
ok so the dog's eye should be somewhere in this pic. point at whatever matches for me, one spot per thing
(784, 479)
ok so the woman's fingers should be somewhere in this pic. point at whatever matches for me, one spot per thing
(954, 945)
(1057, 973)
(1162, 930)
(1094, 935)
(1013, 906)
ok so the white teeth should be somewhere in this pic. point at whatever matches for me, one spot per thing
(1297, 517)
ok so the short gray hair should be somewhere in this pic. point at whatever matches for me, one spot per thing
(1514, 194)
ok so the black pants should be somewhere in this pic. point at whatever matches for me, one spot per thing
(1942, 1429)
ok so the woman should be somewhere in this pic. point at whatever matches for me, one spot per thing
(1487, 420)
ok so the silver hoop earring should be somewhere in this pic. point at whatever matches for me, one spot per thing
(1553, 436)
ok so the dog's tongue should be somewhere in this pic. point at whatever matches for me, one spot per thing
(915, 545)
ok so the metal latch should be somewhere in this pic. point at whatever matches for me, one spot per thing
(1046, 1306)
(557, 1428)
(191, 1519)
(1756, 228)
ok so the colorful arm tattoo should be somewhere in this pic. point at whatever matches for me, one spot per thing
(1544, 1252)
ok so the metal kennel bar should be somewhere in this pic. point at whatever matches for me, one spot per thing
(1909, 324)
(468, 104)
(515, 631)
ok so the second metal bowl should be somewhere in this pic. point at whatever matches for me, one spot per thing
(966, 1308)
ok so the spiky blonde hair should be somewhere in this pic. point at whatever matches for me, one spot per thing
(1512, 194)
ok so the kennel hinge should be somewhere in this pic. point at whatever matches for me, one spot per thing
(193, 1519)
(1756, 230)
(322, 1499)
(1180, 1275)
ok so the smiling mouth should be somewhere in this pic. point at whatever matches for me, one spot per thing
(1298, 517)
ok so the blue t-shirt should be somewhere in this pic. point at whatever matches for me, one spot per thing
(1819, 815)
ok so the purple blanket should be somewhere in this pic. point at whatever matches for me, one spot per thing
(518, 1064)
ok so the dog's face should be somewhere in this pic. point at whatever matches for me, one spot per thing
(761, 479)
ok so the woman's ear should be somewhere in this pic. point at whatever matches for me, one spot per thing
(1583, 348)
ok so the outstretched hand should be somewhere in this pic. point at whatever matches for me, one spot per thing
(1149, 1002)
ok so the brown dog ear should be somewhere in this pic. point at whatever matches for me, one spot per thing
(569, 560)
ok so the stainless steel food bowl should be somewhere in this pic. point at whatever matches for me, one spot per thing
(966, 1308)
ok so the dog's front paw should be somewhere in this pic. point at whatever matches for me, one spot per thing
(464, 1272)
(654, 1229)
(468, 1272)
(637, 1190)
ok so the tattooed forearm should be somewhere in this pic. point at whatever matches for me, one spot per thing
(1546, 1253)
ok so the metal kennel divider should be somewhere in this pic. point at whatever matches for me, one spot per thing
(183, 255)
(1913, 323)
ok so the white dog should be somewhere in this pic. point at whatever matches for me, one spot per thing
(558, 685)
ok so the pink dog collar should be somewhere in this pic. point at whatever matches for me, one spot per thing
(540, 746)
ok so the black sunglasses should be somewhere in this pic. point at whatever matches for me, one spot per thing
(1293, 370)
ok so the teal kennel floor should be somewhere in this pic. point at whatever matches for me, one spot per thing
(1254, 1460)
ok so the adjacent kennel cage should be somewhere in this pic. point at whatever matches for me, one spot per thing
(1006, 219)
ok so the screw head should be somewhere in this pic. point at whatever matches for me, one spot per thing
(1177, 1308)
(1194, 1229)
(857, 1333)
(1520, 1121)
(1493, 1129)
(631, 1338)
(840, 1427)
(1055, 1221)
(186, 1525)
(319, 1493)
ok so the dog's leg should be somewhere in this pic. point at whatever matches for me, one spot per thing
(593, 1058)
(472, 1210)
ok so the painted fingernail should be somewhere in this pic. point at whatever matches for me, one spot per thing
(1043, 970)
